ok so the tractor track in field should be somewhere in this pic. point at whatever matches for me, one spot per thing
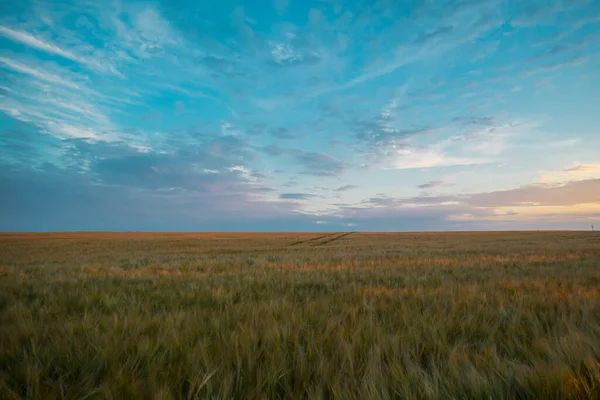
(333, 239)
(312, 239)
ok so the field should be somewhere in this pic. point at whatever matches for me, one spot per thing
(512, 315)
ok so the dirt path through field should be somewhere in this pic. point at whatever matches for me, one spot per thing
(333, 239)
(312, 239)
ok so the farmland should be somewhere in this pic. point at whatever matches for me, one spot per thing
(501, 315)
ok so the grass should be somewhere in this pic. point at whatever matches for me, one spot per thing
(512, 315)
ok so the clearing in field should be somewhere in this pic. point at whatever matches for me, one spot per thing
(340, 315)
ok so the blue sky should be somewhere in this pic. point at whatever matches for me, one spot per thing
(299, 115)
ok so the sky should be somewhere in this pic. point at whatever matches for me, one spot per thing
(289, 115)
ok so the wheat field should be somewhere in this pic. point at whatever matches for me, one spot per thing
(510, 315)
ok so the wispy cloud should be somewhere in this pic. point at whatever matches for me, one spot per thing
(44, 76)
(296, 196)
(578, 172)
(461, 141)
(536, 14)
(432, 184)
(346, 188)
(411, 158)
(32, 41)
(476, 20)
(571, 193)
(281, 6)
(312, 163)
(319, 164)
(284, 133)
(582, 168)
(553, 66)
(533, 202)
(242, 22)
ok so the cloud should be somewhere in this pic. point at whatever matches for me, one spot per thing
(582, 168)
(283, 53)
(455, 26)
(74, 202)
(296, 196)
(223, 66)
(312, 163)
(345, 188)
(462, 141)
(70, 201)
(284, 133)
(22, 143)
(536, 14)
(44, 76)
(292, 50)
(544, 205)
(379, 132)
(73, 132)
(281, 6)
(560, 144)
(319, 164)
(58, 110)
(431, 184)
(242, 22)
(572, 193)
(144, 32)
(243, 171)
(569, 62)
(486, 50)
(429, 157)
(203, 164)
(484, 121)
(578, 172)
(106, 40)
(153, 28)
(559, 49)
(433, 35)
(141, 32)
(263, 189)
(410, 202)
(32, 41)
